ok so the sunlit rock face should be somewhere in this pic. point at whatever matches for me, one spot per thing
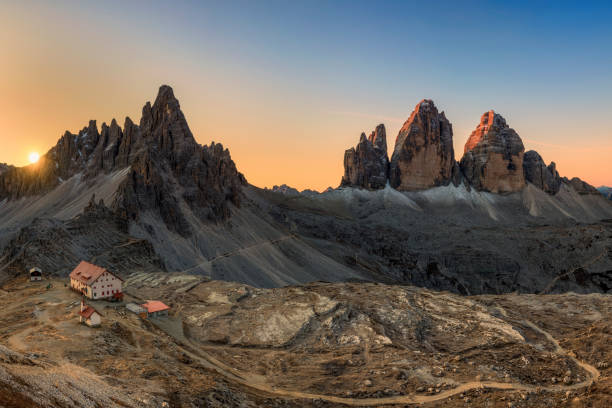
(424, 156)
(493, 156)
(544, 177)
(367, 164)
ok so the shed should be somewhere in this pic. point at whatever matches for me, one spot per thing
(89, 316)
(155, 308)
(134, 308)
(35, 274)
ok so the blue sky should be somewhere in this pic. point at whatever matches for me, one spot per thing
(281, 83)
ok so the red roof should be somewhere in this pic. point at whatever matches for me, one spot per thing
(88, 273)
(153, 306)
(88, 312)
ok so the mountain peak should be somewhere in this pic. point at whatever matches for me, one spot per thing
(493, 156)
(423, 156)
(367, 164)
(165, 96)
(379, 138)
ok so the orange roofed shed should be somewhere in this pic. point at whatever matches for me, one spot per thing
(156, 308)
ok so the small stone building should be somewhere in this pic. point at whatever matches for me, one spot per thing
(155, 308)
(35, 274)
(89, 316)
(94, 281)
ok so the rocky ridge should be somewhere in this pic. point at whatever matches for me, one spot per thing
(581, 187)
(98, 235)
(165, 161)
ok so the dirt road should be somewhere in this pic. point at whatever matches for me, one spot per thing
(258, 382)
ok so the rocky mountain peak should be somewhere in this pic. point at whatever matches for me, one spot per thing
(493, 156)
(424, 155)
(367, 164)
(489, 121)
(166, 165)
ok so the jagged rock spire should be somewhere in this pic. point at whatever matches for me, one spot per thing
(537, 173)
(423, 156)
(367, 164)
(166, 165)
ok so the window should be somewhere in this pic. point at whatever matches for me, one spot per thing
(95, 294)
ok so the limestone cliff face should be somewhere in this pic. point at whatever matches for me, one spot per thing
(367, 165)
(539, 174)
(166, 165)
(493, 156)
(423, 156)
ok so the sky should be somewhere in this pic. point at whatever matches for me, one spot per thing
(288, 86)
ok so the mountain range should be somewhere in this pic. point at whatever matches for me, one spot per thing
(498, 220)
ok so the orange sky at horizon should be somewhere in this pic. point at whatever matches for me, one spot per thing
(299, 161)
(283, 124)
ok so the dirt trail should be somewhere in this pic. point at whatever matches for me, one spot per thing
(259, 383)
(237, 251)
(552, 283)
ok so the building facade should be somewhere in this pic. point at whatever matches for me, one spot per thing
(35, 274)
(95, 282)
(89, 316)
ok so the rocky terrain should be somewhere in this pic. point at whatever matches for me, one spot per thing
(97, 234)
(317, 345)
(173, 205)
(420, 280)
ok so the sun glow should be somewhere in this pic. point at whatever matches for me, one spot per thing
(33, 157)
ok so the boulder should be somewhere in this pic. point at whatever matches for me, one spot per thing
(493, 156)
(367, 164)
(423, 156)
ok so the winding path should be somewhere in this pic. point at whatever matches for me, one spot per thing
(258, 382)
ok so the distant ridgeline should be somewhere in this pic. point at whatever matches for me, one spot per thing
(606, 192)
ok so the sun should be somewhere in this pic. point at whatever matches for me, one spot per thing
(34, 157)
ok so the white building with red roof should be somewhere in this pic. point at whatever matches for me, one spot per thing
(89, 315)
(95, 282)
